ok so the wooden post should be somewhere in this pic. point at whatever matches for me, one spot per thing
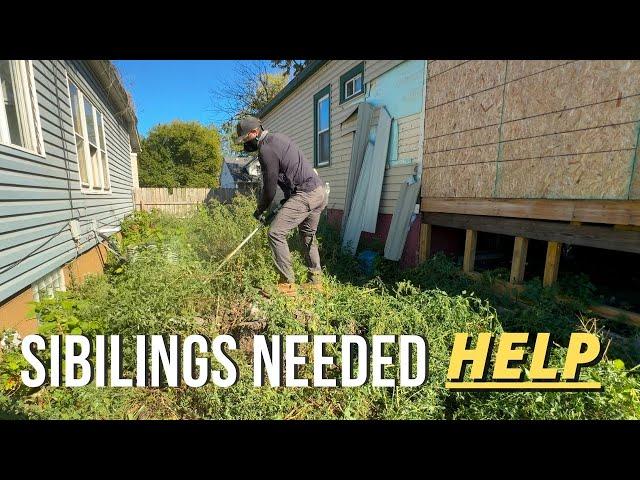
(519, 260)
(470, 251)
(552, 263)
(425, 242)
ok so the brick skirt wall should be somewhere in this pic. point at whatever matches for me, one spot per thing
(409, 254)
(14, 312)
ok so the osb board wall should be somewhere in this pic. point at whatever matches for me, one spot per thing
(532, 129)
(635, 180)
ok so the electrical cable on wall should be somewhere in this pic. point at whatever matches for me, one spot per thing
(65, 153)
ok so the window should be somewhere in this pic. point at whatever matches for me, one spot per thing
(44, 288)
(91, 149)
(352, 83)
(19, 117)
(322, 124)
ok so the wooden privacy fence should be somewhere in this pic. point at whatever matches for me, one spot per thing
(180, 201)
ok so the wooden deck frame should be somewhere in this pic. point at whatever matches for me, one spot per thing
(621, 212)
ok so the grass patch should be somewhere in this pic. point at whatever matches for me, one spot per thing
(168, 286)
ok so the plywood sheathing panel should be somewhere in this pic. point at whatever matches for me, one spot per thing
(559, 110)
(634, 187)
(453, 143)
(573, 174)
(471, 181)
(596, 176)
(463, 162)
(436, 67)
(467, 79)
(479, 110)
(578, 83)
(612, 111)
(618, 137)
(523, 68)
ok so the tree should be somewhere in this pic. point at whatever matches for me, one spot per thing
(250, 90)
(180, 154)
(288, 65)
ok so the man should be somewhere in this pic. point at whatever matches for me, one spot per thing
(282, 163)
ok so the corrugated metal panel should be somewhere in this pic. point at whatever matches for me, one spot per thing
(353, 226)
(366, 198)
(360, 141)
(37, 194)
(401, 221)
(379, 160)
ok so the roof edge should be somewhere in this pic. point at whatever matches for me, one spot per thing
(110, 80)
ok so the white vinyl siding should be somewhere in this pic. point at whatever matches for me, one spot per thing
(294, 117)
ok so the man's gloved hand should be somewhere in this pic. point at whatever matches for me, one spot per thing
(258, 216)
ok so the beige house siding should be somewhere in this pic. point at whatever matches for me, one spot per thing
(294, 117)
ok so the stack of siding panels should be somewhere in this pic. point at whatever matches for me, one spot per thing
(363, 215)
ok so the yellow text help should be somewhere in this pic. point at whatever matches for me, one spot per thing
(511, 358)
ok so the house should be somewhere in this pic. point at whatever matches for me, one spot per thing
(240, 173)
(546, 151)
(540, 153)
(68, 145)
(319, 110)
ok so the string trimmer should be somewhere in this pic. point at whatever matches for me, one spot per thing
(263, 223)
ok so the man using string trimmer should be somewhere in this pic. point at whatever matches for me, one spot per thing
(283, 163)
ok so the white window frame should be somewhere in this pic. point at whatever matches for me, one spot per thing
(26, 93)
(320, 100)
(51, 282)
(90, 187)
(353, 81)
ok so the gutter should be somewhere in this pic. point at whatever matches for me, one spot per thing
(110, 80)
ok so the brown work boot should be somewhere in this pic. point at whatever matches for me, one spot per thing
(288, 289)
(314, 282)
(313, 286)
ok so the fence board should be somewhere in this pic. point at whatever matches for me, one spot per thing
(181, 201)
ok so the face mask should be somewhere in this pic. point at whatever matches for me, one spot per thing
(251, 145)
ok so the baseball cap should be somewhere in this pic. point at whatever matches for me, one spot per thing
(245, 125)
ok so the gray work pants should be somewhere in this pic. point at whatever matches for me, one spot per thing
(301, 210)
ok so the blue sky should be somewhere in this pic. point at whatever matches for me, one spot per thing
(166, 90)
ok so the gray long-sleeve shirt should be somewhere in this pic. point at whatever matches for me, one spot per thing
(283, 163)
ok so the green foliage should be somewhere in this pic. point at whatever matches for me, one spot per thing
(180, 154)
(169, 286)
(11, 364)
(251, 89)
(269, 85)
(65, 313)
(288, 65)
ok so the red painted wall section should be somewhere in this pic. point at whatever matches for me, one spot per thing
(410, 253)
(449, 241)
